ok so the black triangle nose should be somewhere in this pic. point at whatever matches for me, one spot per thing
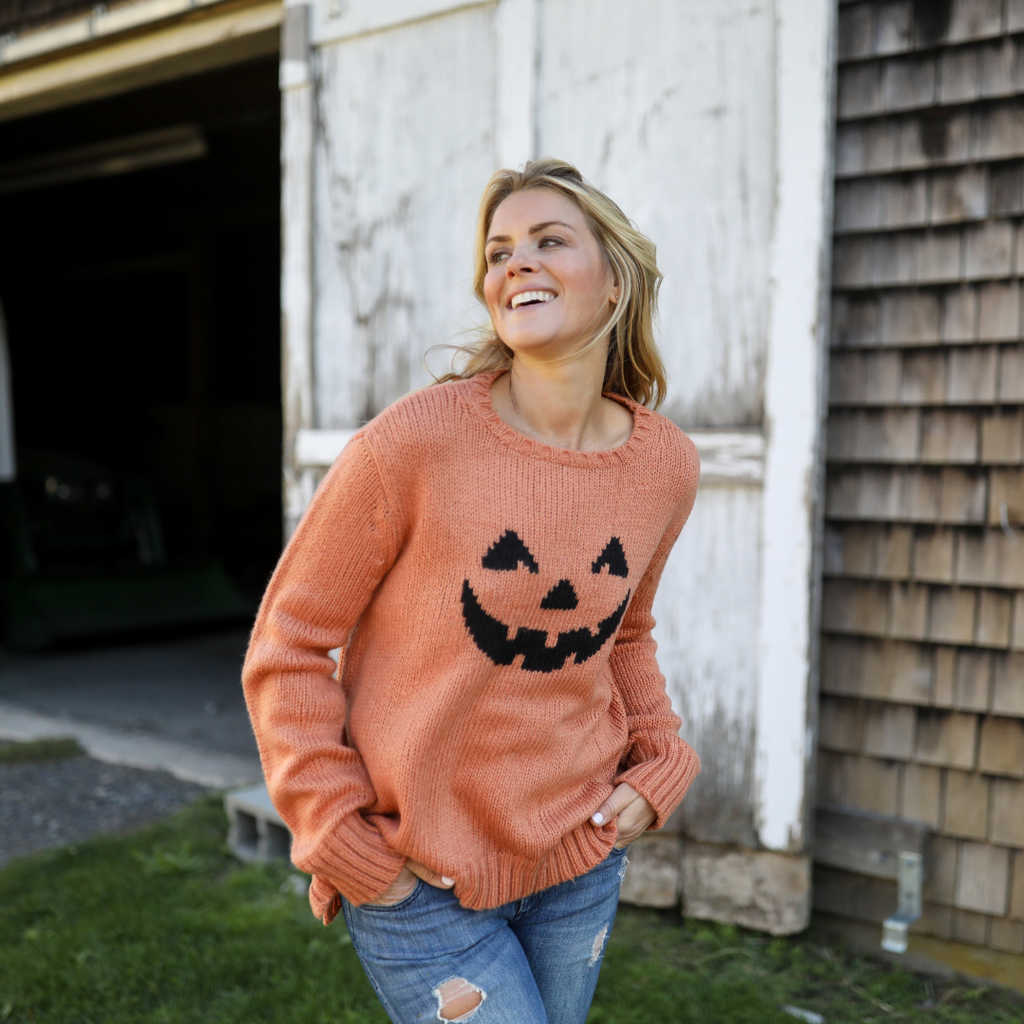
(561, 597)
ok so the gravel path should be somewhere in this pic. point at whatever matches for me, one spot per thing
(55, 803)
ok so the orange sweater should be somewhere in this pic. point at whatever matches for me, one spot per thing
(492, 599)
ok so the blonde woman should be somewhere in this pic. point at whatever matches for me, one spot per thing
(485, 552)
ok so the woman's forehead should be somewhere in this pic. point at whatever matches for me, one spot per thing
(530, 207)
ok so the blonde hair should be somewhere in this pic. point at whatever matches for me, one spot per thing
(634, 368)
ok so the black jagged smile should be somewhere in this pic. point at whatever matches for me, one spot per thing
(491, 635)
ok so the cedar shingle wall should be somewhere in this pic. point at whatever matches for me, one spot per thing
(922, 705)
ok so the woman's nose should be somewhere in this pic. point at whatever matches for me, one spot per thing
(519, 263)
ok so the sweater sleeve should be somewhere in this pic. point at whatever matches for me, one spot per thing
(659, 764)
(343, 546)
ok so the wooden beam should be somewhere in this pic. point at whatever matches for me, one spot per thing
(867, 844)
(211, 38)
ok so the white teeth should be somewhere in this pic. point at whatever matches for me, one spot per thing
(518, 300)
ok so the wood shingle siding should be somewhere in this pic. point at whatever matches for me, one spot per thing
(922, 670)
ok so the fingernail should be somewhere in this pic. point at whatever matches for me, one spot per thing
(598, 818)
(447, 881)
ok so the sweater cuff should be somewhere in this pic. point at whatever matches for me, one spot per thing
(356, 860)
(663, 780)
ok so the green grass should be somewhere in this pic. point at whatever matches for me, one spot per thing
(40, 750)
(164, 927)
(663, 969)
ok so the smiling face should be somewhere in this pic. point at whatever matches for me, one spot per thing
(502, 642)
(548, 285)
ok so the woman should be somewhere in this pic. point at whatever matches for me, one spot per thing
(485, 553)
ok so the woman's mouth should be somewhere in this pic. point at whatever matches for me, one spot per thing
(530, 298)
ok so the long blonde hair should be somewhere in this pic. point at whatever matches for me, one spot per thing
(634, 368)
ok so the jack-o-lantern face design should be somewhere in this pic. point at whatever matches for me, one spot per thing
(493, 636)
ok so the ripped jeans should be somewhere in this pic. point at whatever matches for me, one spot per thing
(532, 961)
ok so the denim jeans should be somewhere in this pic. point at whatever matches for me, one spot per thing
(532, 961)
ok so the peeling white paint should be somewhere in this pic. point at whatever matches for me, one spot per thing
(337, 20)
(515, 30)
(668, 106)
(402, 155)
(796, 352)
(706, 610)
(296, 258)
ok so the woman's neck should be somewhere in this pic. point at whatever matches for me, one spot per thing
(561, 405)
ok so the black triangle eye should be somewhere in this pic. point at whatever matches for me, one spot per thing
(509, 553)
(614, 557)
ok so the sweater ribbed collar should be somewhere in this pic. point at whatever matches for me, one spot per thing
(644, 429)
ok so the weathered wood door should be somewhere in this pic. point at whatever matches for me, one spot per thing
(395, 115)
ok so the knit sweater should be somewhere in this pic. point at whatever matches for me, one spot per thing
(491, 596)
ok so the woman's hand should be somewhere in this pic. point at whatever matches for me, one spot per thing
(632, 810)
(405, 882)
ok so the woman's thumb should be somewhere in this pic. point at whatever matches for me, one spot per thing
(608, 810)
(428, 876)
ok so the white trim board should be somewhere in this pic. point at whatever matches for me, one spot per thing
(729, 456)
(804, 62)
(319, 448)
(726, 456)
(334, 20)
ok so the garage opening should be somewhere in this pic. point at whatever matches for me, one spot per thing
(139, 279)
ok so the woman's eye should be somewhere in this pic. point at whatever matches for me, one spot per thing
(497, 256)
(547, 242)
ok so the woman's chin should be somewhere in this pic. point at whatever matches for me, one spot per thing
(540, 346)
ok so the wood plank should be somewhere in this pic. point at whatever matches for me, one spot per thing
(863, 842)
(853, 895)
(965, 808)
(983, 885)
(320, 447)
(946, 739)
(974, 19)
(952, 615)
(334, 22)
(1002, 753)
(908, 82)
(889, 731)
(841, 724)
(204, 39)
(296, 261)
(1017, 892)
(872, 785)
(515, 30)
(1007, 693)
(958, 75)
(920, 794)
(709, 591)
(726, 457)
(398, 169)
(973, 680)
(651, 118)
(730, 457)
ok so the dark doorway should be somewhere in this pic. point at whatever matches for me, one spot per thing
(141, 295)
